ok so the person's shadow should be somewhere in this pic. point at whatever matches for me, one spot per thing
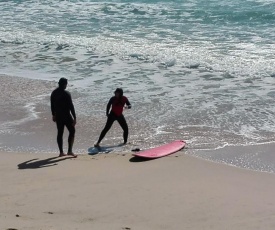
(36, 163)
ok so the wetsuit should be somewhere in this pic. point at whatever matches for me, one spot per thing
(117, 105)
(63, 109)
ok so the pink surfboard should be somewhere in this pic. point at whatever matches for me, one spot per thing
(162, 150)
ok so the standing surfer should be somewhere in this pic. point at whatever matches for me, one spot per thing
(63, 113)
(116, 104)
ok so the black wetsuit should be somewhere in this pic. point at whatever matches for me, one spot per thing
(63, 109)
(116, 115)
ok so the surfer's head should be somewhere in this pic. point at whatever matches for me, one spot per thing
(63, 83)
(118, 92)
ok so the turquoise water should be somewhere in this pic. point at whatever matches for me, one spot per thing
(202, 71)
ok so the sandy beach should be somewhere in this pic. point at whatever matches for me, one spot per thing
(111, 191)
(198, 71)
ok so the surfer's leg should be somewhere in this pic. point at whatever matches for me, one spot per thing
(60, 130)
(121, 120)
(71, 130)
(109, 123)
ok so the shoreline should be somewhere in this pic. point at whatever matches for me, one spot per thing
(116, 192)
(257, 157)
(38, 133)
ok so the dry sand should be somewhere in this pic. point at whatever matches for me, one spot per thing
(114, 192)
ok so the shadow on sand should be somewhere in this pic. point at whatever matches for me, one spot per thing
(36, 163)
(140, 159)
(103, 149)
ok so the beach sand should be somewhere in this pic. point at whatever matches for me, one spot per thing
(111, 191)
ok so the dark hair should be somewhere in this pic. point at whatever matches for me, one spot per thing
(120, 91)
(62, 81)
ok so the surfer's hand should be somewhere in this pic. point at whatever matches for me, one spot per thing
(54, 119)
(74, 122)
(107, 114)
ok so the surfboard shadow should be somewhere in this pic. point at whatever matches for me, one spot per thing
(135, 159)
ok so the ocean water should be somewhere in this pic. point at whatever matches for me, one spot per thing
(202, 71)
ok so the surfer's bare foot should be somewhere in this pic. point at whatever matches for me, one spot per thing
(72, 154)
(62, 155)
(97, 145)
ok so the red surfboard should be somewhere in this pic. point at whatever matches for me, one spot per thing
(162, 150)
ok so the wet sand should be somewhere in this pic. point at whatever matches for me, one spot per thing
(26, 122)
(111, 191)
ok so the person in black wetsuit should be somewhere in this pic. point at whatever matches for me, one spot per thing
(117, 103)
(63, 113)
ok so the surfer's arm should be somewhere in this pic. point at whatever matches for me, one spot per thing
(72, 106)
(128, 104)
(109, 106)
(73, 111)
(52, 105)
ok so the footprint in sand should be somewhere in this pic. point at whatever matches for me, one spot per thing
(49, 213)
